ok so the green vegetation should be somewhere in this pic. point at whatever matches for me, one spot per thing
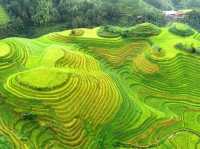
(108, 87)
(4, 18)
(55, 79)
(173, 4)
(181, 29)
(193, 18)
(26, 15)
(4, 50)
(189, 47)
(161, 4)
(144, 30)
(109, 31)
(77, 32)
(4, 144)
(32, 18)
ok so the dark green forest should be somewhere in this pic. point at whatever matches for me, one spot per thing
(42, 15)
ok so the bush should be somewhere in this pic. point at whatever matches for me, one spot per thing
(4, 142)
(29, 116)
(187, 47)
(144, 30)
(109, 31)
(198, 50)
(77, 32)
(179, 46)
(157, 48)
(181, 29)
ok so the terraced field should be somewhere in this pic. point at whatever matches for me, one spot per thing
(78, 90)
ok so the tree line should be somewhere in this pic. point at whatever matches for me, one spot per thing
(76, 13)
(25, 14)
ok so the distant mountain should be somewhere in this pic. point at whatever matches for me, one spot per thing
(161, 4)
(132, 6)
(173, 4)
(192, 3)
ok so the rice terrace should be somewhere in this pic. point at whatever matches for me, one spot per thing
(133, 86)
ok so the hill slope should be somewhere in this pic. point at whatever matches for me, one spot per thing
(161, 4)
(4, 18)
(174, 4)
(76, 89)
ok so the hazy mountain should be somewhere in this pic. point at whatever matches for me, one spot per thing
(174, 4)
(161, 4)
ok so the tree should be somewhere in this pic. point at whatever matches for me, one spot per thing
(193, 19)
(65, 9)
(4, 142)
(43, 12)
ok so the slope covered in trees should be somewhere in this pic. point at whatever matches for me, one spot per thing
(27, 14)
(174, 4)
(4, 17)
(161, 4)
(29, 17)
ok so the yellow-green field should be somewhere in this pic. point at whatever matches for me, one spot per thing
(77, 90)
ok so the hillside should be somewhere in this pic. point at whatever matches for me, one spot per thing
(174, 4)
(33, 18)
(191, 3)
(133, 6)
(4, 17)
(161, 4)
(105, 87)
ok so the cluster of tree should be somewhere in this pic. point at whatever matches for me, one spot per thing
(110, 31)
(174, 4)
(79, 13)
(27, 14)
(191, 48)
(161, 4)
(4, 142)
(181, 29)
(77, 32)
(193, 19)
(143, 30)
(191, 3)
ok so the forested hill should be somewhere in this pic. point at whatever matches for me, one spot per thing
(161, 4)
(78, 12)
(26, 14)
(174, 4)
(88, 12)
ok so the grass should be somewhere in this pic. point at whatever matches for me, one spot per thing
(4, 50)
(167, 41)
(47, 79)
(84, 91)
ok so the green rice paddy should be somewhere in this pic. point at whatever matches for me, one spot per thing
(78, 90)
